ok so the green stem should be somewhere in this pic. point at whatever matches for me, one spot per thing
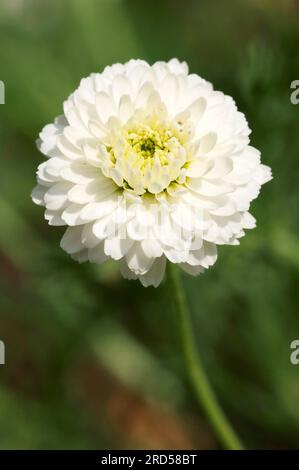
(202, 388)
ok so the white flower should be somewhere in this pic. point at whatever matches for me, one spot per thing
(146, 164)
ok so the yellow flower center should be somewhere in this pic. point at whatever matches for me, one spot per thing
(151, 143)
(147, 157)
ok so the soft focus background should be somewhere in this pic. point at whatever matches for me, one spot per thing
(93, 361)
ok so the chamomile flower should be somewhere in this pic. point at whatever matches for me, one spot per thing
(148, 164)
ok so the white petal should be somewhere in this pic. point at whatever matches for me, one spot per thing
(80, 172)
(97, 210)
(205, 256)
(137, 260)
(137, 73)
(95, 155)
(56, 197)
(88, 238)
(152, 248)
(71, 215)
(248, 221)
(67, 149)
(264, 174)
(156, 273)
(169, 91)
(97, 254)
(71, 240)
(54, 167)
(54, 218)
(38, 194)
(105, 106)
(125, 108)
(193, 270)
(116, 247)
(44, 176)
(198, 168)
(175, 256)
(92, 191)
(197, 109)
(221, 167)
(208, 142)
(142, 97)
(120, 86)
(80, 256)
(226, 209)
(97, 129)
(207, 188)
(177, 67)
(104, 228)
(126, 271)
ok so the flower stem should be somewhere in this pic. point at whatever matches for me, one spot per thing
(202, 388)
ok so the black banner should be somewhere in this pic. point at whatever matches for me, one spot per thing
(138, 458)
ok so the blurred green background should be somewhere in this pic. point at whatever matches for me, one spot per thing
(92, 360)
